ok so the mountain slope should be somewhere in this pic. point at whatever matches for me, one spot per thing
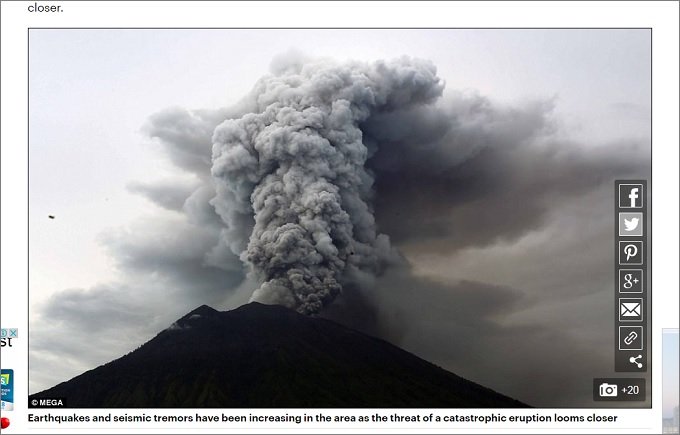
(269, 356)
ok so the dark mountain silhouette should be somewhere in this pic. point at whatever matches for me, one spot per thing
(269, 356)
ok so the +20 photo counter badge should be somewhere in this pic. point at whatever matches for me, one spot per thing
(7, 386)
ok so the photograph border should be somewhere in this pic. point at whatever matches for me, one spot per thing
(646, 255)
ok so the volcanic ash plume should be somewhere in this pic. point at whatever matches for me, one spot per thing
(290, 174)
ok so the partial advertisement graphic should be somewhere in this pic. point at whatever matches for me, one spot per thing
(671, 381)
(7, 386)
(8, 336)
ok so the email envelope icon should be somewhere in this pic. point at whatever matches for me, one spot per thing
(630, 309)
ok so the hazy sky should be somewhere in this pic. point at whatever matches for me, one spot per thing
(113, 261)
(671, 370)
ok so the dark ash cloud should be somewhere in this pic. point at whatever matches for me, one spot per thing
(473, 174)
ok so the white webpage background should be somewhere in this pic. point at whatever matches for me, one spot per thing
(662, 17)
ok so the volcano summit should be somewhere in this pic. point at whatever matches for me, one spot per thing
(264, 356)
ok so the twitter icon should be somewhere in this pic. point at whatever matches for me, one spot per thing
(630, 224)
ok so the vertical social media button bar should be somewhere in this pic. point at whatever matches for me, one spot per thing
(631, 276)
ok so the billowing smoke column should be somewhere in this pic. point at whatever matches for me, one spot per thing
(290, 174)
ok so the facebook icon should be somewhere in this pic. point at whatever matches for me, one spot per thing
(630, 195)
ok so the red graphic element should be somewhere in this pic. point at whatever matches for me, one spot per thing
(4, 422)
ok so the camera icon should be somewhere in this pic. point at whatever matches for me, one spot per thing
(608, 390)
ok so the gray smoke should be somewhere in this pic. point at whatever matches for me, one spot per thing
(290, 177)
(495, 205)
